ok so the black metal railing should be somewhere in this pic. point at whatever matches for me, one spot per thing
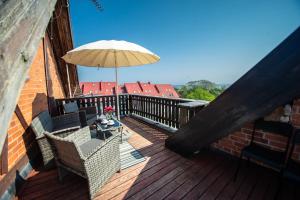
(158, 109)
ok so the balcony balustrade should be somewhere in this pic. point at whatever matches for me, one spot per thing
(167, 111)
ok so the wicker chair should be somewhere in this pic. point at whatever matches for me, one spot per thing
(61, 126)
(92, 159)
(88, 115)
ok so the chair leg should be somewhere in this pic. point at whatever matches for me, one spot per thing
(280, 183)
(61, 174)
(238, 167)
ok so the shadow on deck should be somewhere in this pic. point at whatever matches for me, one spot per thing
(165, 175)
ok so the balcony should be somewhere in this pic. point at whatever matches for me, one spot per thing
(164, 174)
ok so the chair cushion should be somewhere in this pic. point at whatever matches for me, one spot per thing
(71, 107)
(89, 146)
(42, 123)
(270, 157)
(293, 171)
(91, 118)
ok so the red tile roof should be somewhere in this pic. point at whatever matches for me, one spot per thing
(133, 88)
(149, 89)
(108, 88)
(166, 90)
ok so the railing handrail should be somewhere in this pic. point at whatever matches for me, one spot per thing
(163, 110)
(84, 97)
(112, 95)
(158, 97)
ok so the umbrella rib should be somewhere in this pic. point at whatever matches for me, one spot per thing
(135, 57)
(144, 55)
(98, 55)
(103, 62)
(124, 52)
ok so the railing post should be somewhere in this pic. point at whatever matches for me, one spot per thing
(188, 110)
(183, 116)
(130, 105)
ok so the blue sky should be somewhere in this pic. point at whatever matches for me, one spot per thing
(196, 39)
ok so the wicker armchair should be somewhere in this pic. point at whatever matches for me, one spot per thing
(92, 159)
(88, 115)
(61, 126)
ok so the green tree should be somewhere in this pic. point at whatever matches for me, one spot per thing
(200, 94)
(216, 91)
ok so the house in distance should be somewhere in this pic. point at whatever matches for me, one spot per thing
(108, 88)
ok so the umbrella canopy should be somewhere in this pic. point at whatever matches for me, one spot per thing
(110, 54)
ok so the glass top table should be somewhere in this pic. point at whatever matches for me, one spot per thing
(103, 128)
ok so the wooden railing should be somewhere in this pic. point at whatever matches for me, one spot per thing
(163, 110)
(158, 109)
(99, 102)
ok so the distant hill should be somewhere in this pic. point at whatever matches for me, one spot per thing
(201, 90)
(205, 84)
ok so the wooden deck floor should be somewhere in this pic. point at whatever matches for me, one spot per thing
(164, 175)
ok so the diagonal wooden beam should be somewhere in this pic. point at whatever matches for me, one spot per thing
(22, 25)
(272, 82)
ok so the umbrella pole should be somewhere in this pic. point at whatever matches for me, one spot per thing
(117, 93)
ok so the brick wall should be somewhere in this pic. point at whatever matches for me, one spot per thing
(234, 142)
(32, 101)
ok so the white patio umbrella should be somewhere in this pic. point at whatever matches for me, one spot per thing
(111, 54)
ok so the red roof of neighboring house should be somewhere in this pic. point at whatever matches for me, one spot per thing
(99, 88)
(148, 89)
(90, 87)
(133, 88)
(108, 88)
(167, 90)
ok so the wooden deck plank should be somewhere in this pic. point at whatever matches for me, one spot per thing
(187, 186)
(213, 191)
(150, 162)
(197, 191)
(232, 187)
(261, 187)
(164, 191)
(130, 188)
(248, 184)
(150, 189)
(140, 173)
